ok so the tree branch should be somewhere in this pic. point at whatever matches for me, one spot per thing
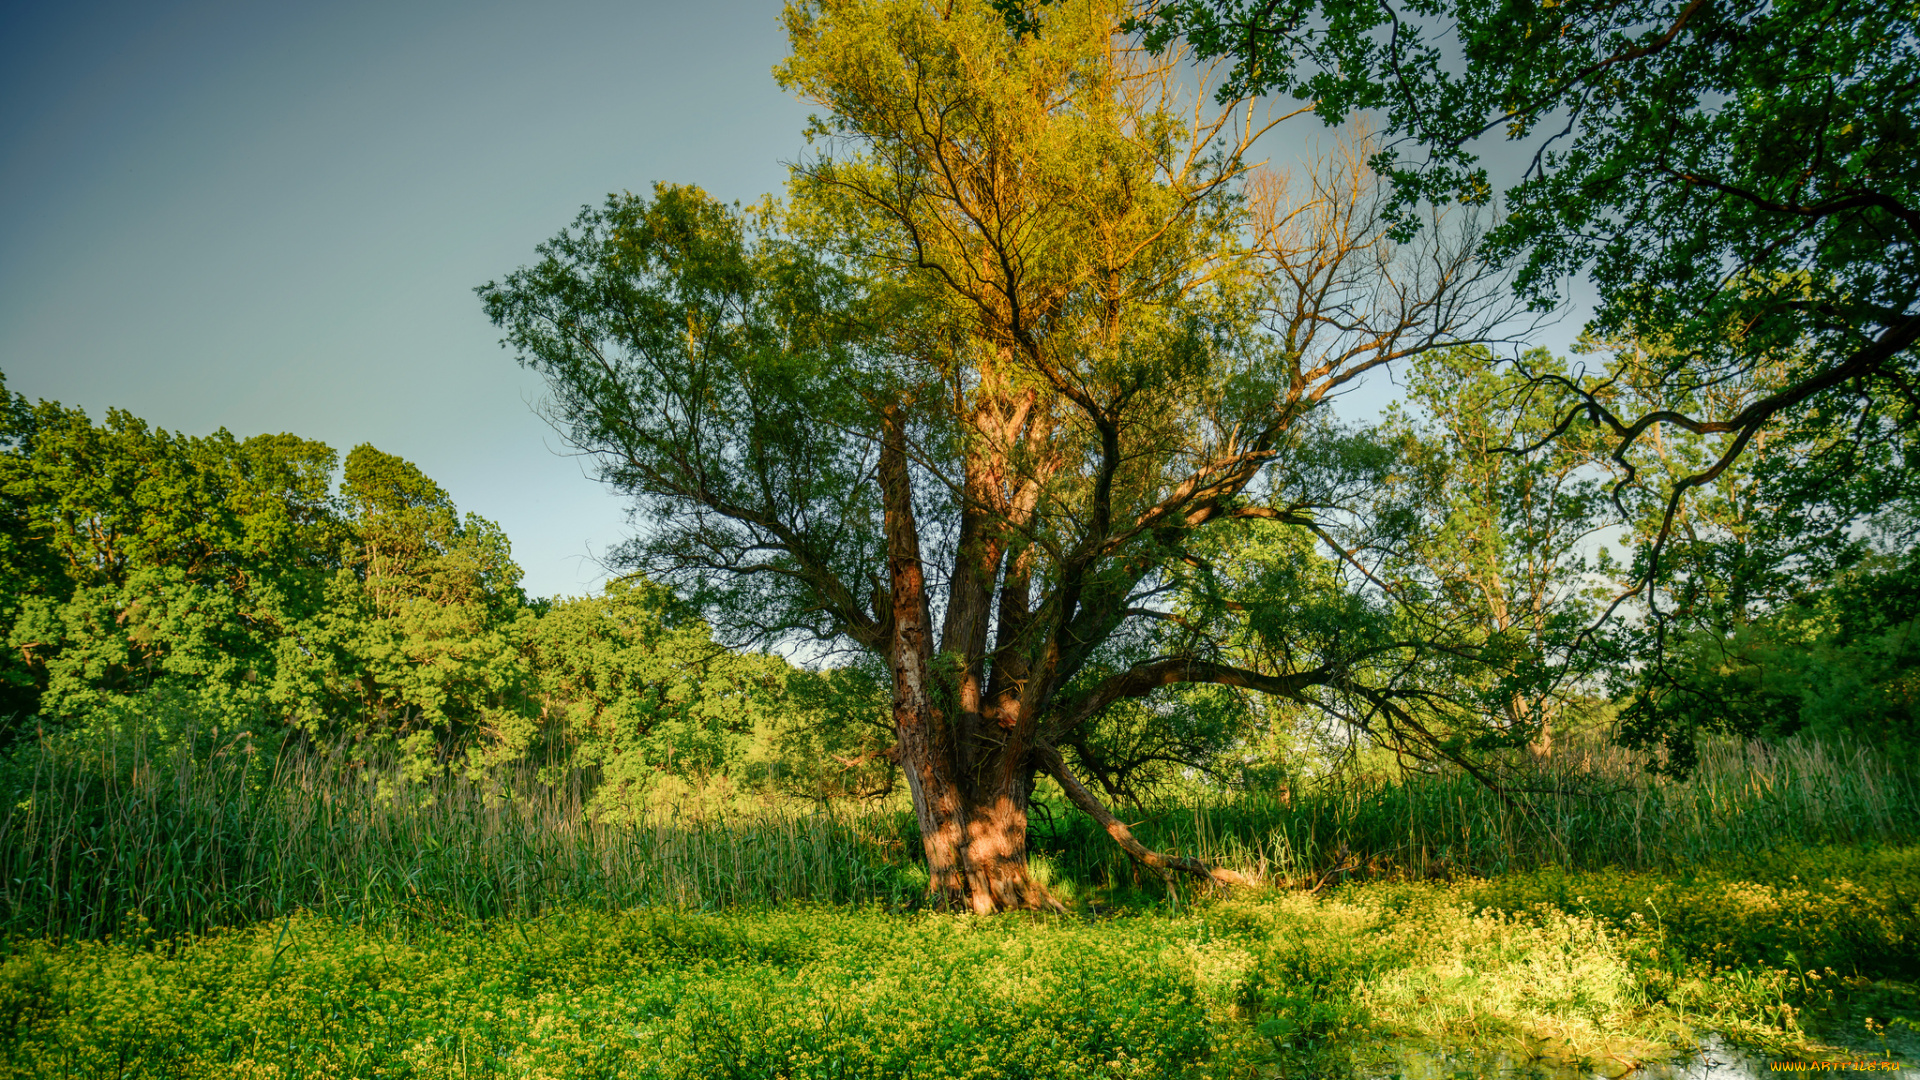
(1161, 863)
(1143, 679)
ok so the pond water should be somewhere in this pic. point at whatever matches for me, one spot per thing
(1716, 1059)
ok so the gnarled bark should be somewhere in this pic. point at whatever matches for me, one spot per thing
(973, 821)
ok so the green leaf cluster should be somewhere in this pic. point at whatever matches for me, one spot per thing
(161, 587)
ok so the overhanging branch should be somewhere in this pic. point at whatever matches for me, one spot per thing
(1143, 679)
(1161, 863)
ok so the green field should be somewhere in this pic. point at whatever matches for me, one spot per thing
(1594, 970)
(170, 919)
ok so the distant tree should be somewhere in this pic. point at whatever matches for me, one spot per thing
(411, 543)
(423, 635)
(30, 572)
(634, 690)
(147, 558)
(162, 581)
(1496, 547)
(1026, 339)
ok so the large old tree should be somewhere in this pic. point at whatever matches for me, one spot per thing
(1030, 335)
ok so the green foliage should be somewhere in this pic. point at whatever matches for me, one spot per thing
(165, 588)
(1558, 970)
(1739, 176)
(1778, 602)
(1805, 501)
(421, 639)
(1490, 531)
(1484, 524)
(639, 693)
(1445, 620)
(1737, 183)
(708, 356)
(226, 573)
(831, 736)
(1843, 660)
(157, 560)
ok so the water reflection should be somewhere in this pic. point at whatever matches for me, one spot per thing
(1716, 1059)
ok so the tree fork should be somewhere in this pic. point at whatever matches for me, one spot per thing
(974, 837)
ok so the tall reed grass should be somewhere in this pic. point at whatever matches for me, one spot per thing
(100, 836)
(95, 840)
(1588, 807)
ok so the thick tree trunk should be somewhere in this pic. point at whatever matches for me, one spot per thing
(974, 834)
(973, 820)
(975, 844)
(998, 877)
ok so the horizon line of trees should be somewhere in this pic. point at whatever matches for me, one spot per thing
(165, 587)
(168, 586)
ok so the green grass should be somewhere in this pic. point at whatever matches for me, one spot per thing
(218, 914)
(1589, 807)
(96, 835)
(189, 842)
(1553, 967)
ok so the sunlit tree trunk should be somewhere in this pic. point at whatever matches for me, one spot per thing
(973, 821)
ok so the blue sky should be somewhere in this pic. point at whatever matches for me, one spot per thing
(270, 216)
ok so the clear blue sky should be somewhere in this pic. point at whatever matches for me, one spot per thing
(270, 216)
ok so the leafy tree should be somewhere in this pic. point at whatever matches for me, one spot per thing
(413, 545)
(422, 638)
(636, 690)
(1490, 544)
(161, 586)
(163, 582)
(1814, 509)
(1026, 339)
(1736, 180)
(154, 558)
(1841, 659)
(29, 566)
(832, 737)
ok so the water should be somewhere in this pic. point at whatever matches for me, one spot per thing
(1716, 1059)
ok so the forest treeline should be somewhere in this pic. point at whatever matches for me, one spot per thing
(165, 587)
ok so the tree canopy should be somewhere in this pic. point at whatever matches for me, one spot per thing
(1030, 342)
(161, 586)
(1737, 182)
